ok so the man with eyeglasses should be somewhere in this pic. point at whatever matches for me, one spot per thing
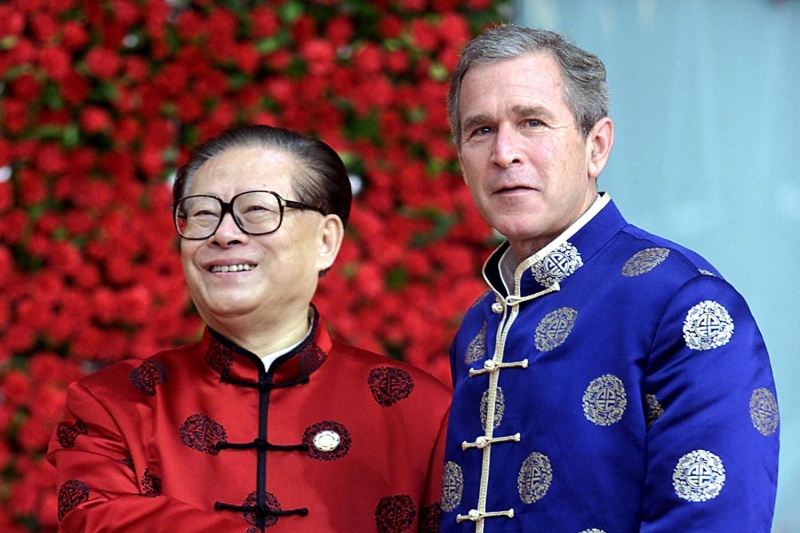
(265, 422)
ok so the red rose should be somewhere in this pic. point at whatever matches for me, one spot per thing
(340, 30)
(73, 35)
(44, 26)
(15, 115)
(95, 119)
(103, 63)
(265, 22)
(56, 62)
(390, 26)
(74, 89)
(16, 387)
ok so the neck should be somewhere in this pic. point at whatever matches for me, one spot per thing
(265, 337)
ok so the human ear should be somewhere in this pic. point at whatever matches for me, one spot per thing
(599, 143)
(331, 234)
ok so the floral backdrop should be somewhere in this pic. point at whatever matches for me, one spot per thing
(100, 102)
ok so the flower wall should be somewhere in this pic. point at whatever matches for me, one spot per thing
(100, 102)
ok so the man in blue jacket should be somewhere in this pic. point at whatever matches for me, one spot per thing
(609, 380)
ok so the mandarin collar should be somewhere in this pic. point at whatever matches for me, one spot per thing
(234, 363)
(552, 265)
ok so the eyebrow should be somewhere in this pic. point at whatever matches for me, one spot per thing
(518, 111)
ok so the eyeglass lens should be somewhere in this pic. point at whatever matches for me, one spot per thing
(256, 212)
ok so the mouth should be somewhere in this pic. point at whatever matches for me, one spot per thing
(231, 268)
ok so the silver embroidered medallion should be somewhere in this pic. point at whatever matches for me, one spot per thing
(707, 325)
(604, 401)
(477, 348)
(554, 328)
(534, 477)
(557, 265)
(499, 407)
(764, 411)
(698, 476)
(644, 261)
(452, 486)
(654, 409)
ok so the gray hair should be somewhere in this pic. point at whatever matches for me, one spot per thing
(584, 75)
(325, 184)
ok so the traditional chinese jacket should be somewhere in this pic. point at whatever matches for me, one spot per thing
(202, 438)
(620, 385)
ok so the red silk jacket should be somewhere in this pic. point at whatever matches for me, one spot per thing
(201, 438)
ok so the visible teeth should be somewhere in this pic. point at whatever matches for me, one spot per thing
(231, 268)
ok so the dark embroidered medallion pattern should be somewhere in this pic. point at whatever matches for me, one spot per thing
(429, 518)
(66, 433)
(128, 461)
(201, 433)
(389, 385)
(310, 359)
(395, 514)
(328, 425)
(151, 484)
(147, 376)
(270, 502)
(219, 358)
(70, 495)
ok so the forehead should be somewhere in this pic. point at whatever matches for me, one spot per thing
(238, 169)
(530, 80)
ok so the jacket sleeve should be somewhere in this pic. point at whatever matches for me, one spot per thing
(712, 445)
(99, 486)
(430, 512)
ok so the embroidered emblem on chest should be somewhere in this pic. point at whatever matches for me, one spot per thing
(557, 265)
(534, 478)
(270, 502)
(698, 476)
(707, 326)
(147, 376)
(389, 385)
(70, 495)
(499, 407)
(554, 328)
(477, 348)
(310, 359)
(219, 358)
(644, 261)
(395, 514)
(604, 401)
(592, 530)
(67, 433)
(151, 484)
(654, 409)
(452, 486)
(429, 518)
(764, 411)
(327, 440)
(201, 433)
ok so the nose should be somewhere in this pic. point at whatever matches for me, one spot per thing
(228, 232)
(507, 151)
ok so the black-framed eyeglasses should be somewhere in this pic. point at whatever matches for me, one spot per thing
(199, 216)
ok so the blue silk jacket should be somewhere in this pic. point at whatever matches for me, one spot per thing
(620, 386)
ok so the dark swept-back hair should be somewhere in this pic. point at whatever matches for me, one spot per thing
(583, 74)
(324, 183)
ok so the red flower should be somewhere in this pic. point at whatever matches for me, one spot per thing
(56, 62)
(73, 35)
(265, 22)
(103, 63)
(95, 119)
